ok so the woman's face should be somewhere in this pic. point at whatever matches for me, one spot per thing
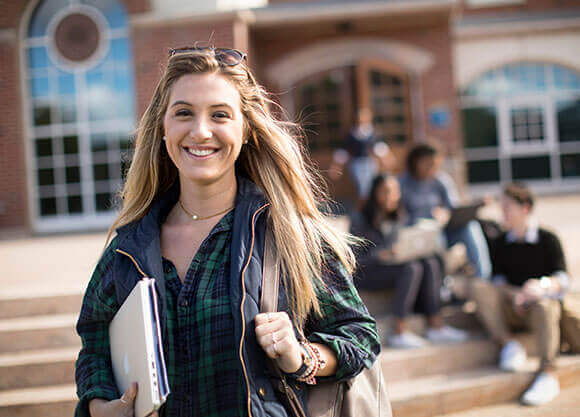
(427, 167)
(389, 195)
(204, 128)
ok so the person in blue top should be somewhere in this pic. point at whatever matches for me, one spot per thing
(429, 193)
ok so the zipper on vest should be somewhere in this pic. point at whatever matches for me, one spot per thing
(242, 308)
(127, 254)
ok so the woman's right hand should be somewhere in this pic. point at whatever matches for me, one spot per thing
(123, 407)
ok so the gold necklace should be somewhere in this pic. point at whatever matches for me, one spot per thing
(196, 217)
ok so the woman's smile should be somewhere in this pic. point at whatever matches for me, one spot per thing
(201, 152)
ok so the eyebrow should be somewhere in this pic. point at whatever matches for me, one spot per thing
(177, 102)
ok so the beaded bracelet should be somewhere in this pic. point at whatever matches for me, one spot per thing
(308, 376)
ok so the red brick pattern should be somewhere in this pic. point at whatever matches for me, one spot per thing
(152, 43)
(13, 189)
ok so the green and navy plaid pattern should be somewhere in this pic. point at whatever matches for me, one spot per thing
(203, 365)
(202, 361)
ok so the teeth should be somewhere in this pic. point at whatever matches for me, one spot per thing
(200, 152)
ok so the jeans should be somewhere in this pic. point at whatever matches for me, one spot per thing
(416, 284)
(477, 251)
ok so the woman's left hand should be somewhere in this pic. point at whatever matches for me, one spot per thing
(275, 335)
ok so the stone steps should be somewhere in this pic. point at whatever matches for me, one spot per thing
(38, 332)
(477, 352)
(448, 393)
(38, 368)
(567, 404)
(40, 306)
(52, 401)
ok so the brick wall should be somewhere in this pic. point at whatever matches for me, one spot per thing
(436, 84)
(13, 190)
(151, 43)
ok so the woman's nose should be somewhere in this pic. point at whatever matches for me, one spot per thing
(200, 129)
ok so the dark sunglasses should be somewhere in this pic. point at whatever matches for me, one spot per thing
(228, 57)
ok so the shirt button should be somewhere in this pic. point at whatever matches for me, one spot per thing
(184, 303)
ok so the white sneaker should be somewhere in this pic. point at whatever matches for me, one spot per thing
(544, 389)
(446, 334)
(406, 340)
(512, 356)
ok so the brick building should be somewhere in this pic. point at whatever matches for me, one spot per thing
(496, 81)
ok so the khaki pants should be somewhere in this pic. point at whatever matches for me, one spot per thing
(570, 323)
(496, 312)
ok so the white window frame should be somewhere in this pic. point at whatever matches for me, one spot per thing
(89, 219)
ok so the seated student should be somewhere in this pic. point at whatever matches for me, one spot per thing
(429, 193)
(529, 278)
(416, 283)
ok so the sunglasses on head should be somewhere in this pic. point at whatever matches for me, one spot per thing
(226, 56)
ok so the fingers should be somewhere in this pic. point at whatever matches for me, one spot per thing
(264, 318)
(275, 333)
(127, 400)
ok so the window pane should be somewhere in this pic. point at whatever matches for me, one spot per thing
(570, 165)
(39, 87)
(479, 127)
(44, 147)
(73, 175)
(37, 57)
(68, 111)
(98, 142)
(48, 206)
(527, 124)
(483, 171)
(66, 83)
(566, 79)
(531, 168)
(75, 204)
(569, 120)
(101, 172)
(103, 201)
(41, 115)
(70, 144)
(46, 176)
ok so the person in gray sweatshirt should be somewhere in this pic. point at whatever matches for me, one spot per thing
(429, 193)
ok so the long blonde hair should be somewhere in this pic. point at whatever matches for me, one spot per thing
(274, 159)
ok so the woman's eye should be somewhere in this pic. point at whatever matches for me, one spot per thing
(221, 115)
(183, 112)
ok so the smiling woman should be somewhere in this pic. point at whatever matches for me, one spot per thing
(204, 130)
(213, 173)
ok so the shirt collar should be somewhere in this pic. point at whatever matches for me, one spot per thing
(532, 236)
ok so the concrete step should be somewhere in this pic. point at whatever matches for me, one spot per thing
(37, 368)
(38, 333)
(477, 352)
(567, 404)
(13, 307)
(448, 393)
(53, 401)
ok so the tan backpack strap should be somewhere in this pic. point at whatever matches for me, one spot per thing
(270, 277)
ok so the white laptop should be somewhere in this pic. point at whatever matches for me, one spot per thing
(418, 241)
(137, 348)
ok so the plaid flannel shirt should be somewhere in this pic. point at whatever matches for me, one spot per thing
(203, 367)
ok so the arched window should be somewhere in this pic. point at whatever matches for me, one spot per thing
(522, 122)
(81, 109)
